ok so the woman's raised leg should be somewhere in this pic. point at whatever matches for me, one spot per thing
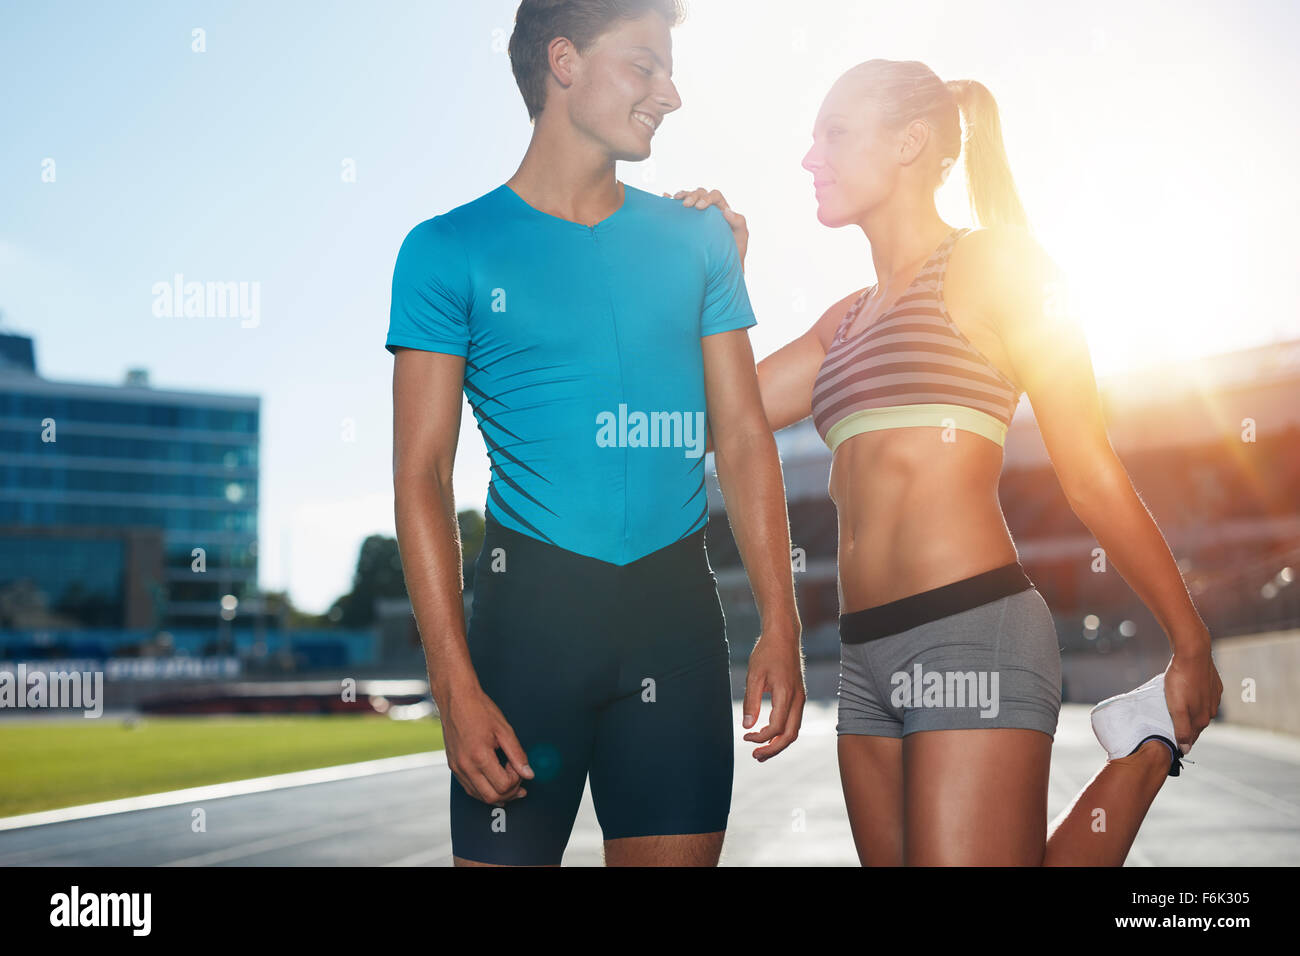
(1099, 827)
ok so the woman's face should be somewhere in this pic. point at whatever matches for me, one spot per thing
(854, 156)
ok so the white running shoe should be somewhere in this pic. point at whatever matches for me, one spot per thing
(1125, 722)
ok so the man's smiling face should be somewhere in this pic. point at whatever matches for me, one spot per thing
(622, 87)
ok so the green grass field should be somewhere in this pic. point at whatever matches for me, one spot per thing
(66, 763)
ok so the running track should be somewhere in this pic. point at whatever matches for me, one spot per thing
(1239, 804)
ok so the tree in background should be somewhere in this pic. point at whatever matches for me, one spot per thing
(471, 542)
(379, 572)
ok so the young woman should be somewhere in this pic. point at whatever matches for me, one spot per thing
(912, 382)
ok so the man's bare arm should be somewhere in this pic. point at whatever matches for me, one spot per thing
(426, 426)
(749, 473)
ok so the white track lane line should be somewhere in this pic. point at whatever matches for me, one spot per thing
(234, 788)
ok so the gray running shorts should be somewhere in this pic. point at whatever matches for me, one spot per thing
(993, 664)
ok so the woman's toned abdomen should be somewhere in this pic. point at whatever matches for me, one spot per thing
(915, 512)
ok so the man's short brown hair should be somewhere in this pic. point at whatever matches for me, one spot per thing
(538, 22)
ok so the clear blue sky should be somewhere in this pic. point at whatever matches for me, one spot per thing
(1153, 144)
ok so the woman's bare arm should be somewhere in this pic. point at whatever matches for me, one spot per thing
(1023, 298)
(786, 377)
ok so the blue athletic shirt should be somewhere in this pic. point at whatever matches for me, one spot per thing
(583, 358)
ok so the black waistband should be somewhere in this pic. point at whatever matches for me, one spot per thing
(681, 560)
(871, 623)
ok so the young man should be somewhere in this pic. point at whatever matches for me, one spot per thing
(591, 325)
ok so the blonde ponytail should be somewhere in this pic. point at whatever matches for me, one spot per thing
(908, 90)
(992, 191)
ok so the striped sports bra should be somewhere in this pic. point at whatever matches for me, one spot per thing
(910, 367)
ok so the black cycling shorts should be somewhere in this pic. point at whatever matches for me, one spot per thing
(620, 672)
